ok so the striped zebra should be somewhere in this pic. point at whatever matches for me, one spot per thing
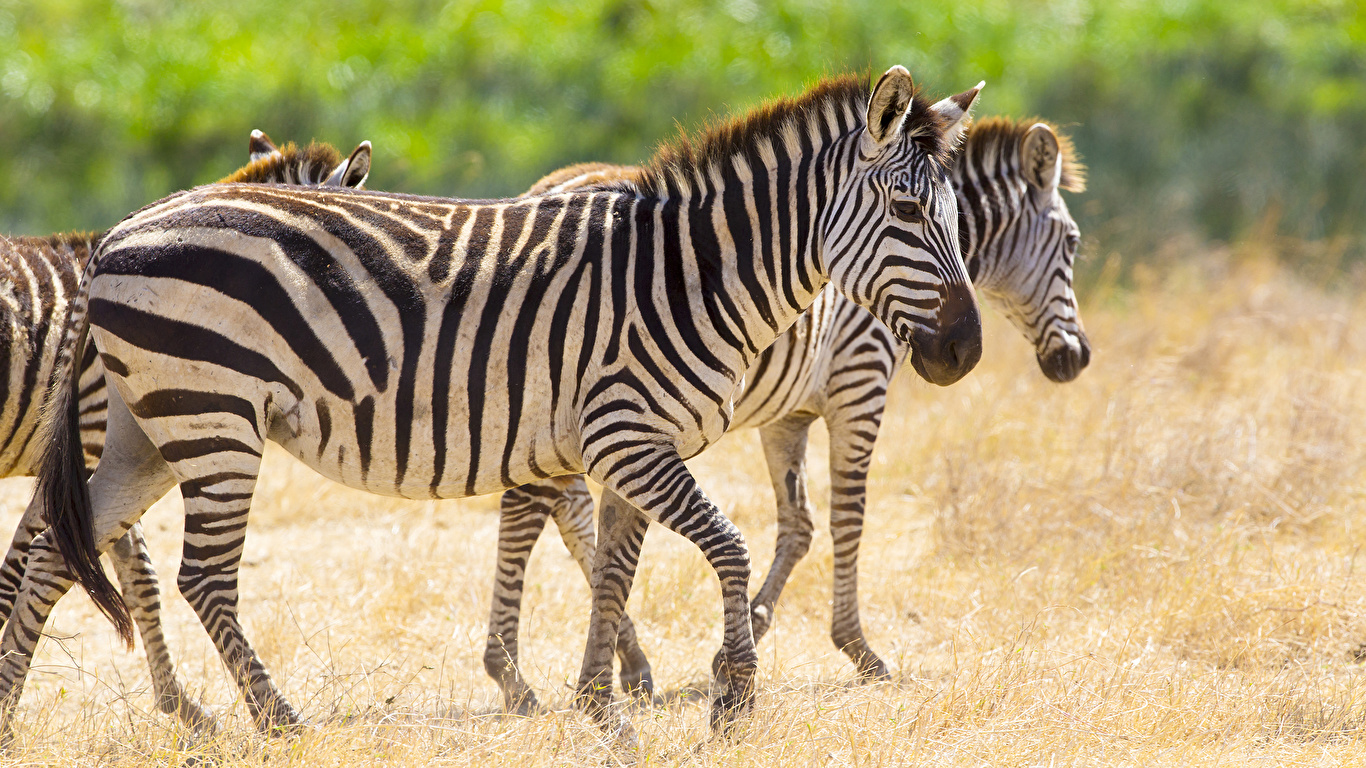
(40, 277)
(432, 348)
(836, 362)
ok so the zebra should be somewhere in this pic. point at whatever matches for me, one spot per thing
(1018, 241)
(434, 348)
(41, 276)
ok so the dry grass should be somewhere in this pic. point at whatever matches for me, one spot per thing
(1155, 565)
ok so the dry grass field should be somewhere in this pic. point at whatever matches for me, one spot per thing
(1159, 564)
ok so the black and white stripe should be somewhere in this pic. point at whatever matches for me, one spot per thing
(41, 276)
(433, 348)
(836, 363)
(38, 277)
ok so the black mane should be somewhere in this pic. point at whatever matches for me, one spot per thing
(744, 135)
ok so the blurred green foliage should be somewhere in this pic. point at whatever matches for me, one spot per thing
(1196, 116)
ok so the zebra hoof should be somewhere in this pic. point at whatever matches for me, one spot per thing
(727, 709)
(735, 700)
(291, 730)
(189, 712)
(639, 684)
(625, 742)
(522, 705)
(199, 721)
(871, 669)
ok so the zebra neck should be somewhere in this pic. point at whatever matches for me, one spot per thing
(989, 200)
(969, 240)
(754, 223)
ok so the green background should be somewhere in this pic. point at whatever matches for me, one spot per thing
(1220, 120)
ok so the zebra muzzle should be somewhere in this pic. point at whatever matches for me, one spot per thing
(1067, 361)
(945, 356)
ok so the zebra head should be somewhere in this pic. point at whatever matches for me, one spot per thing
(1019, 237)
(892, 244)
(314, 165)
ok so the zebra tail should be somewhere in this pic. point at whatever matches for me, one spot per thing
(62, 489)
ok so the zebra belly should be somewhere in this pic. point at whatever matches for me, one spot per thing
(341, 458)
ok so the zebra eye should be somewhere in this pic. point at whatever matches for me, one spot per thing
(1073, 240)
(909, 210)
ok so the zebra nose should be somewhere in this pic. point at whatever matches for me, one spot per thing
(1067, 361)
(964, 348)
(947, 356)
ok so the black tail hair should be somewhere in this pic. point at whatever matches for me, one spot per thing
(63, 492)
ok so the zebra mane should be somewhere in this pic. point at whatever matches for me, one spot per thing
(74, 240)
(80, 243)
(584, 176)
(291, 165)
(676, 162)
(988, 141)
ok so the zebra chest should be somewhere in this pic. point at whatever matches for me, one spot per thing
(783, 379)
(713, 424)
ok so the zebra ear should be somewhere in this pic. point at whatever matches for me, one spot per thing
(353, 171)
(887, 109)
(957, 112)
(1041, 158)
(261, 146)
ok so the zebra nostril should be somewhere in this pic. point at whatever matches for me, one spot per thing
(964, 349)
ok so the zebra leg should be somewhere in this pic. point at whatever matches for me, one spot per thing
(523, 516)
(785, 450)
(130, 478)
(521, 519)
(573, 515)
(139, 582)
(614, 567)
(93, 421)
(142, 594)
(216, 507)
(16, 559)
(661, 487)
(851, 451)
